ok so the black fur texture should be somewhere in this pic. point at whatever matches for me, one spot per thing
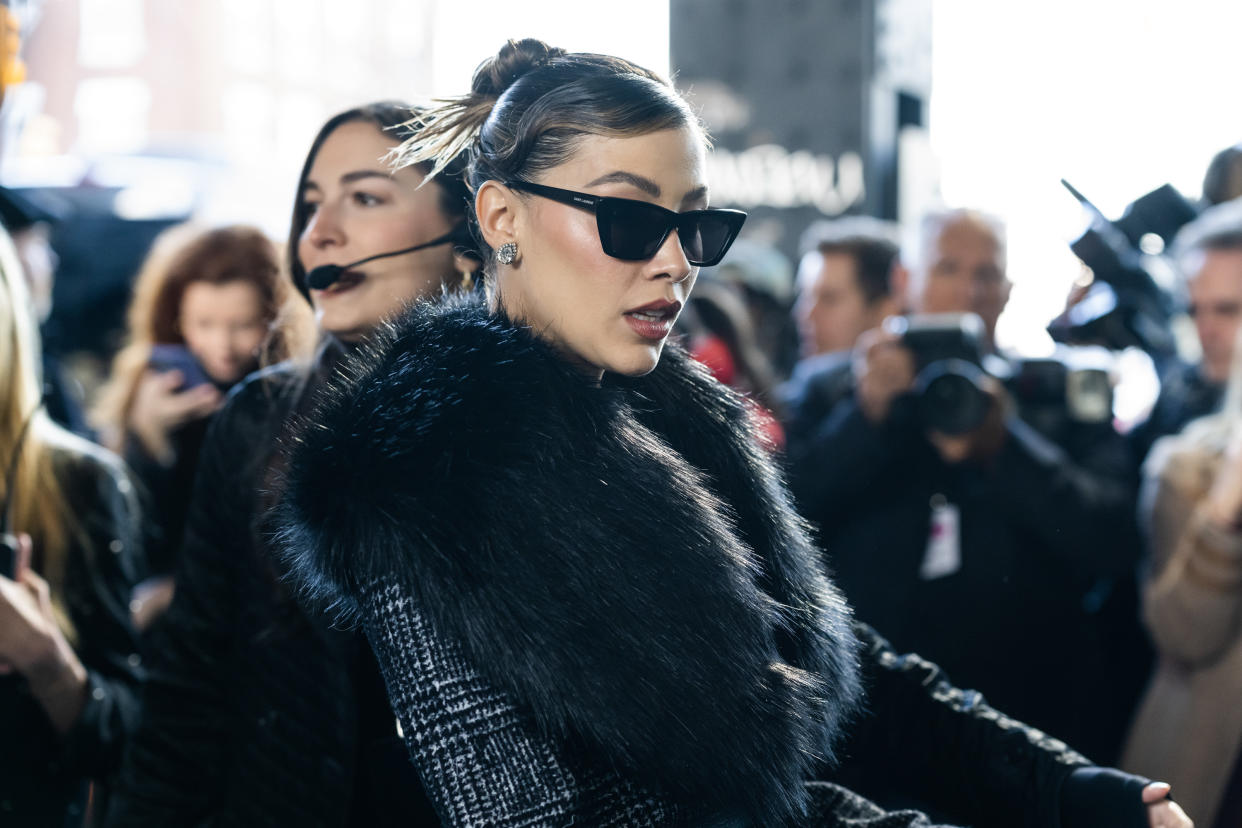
(622, 558)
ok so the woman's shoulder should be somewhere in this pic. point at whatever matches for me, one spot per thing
(84, 465)
(98, 488)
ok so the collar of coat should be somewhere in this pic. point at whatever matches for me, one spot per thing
(622, 558)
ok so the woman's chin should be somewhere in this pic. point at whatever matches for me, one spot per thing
(347, 327)
(636, 360)
(230, 376)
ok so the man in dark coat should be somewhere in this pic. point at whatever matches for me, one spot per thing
(989, 552)
(848, 284)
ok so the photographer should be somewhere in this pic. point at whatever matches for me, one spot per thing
(1209, 254)
(989, 550)
(847, 284)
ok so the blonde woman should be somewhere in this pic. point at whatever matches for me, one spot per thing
(68, 657)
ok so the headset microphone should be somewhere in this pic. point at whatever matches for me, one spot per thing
(325, 276)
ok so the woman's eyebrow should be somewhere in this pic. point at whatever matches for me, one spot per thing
(357, 175)
(699, 193)
(620, 176)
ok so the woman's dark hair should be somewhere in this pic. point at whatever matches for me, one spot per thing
(530, 106)
(399, 119)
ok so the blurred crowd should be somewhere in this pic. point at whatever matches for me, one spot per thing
(979, 508)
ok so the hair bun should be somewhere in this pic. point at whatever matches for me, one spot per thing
(515, 59)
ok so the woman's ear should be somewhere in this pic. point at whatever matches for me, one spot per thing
(495, 207)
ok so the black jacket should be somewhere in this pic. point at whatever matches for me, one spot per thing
(256, 713)
(44, 776)
(1185, 395)
(1041, 608)
(595, 571)
(165, 492)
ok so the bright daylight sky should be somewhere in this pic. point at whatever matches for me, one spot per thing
(635, 29)
(1117, 96)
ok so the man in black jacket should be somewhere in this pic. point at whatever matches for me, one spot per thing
(991, 552)
(847, 284)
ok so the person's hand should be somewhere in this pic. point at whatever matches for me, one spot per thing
(1223, 503)
(24, 633)
(33, 645)
(29, 634)
(983, 442)
(159, 409)
(1162, 813)
(884, 368)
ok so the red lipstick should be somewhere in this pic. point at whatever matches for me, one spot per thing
(654, 320)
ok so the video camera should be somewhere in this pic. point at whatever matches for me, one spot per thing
(1125, 306)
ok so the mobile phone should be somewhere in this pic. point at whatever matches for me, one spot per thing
(178, 358)
(8, 556)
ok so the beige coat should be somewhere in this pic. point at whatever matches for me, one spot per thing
(1189, 726)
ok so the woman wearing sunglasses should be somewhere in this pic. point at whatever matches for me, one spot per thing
(258, 713)
(581, 575)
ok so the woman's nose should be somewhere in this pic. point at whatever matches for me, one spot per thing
(670, 260)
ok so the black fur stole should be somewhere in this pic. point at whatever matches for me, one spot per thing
(622, 558)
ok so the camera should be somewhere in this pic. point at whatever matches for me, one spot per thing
(1125, 305)
(948, 353)
(1054, 393)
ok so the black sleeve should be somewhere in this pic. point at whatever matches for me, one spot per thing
(165, 491)
(945, 748)
(153, 480)
(178, 759)
(1081, 505)
(100, 572)
(934, 745)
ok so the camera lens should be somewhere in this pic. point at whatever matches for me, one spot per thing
(950, 396)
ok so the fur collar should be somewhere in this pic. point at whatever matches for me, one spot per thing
(623, 559)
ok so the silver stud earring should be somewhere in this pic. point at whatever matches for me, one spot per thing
(507, 254)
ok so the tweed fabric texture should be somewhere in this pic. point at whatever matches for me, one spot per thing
(481, 758)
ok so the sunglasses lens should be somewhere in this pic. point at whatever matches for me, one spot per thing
(635, 231)
(707, 237)
(632, 231)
